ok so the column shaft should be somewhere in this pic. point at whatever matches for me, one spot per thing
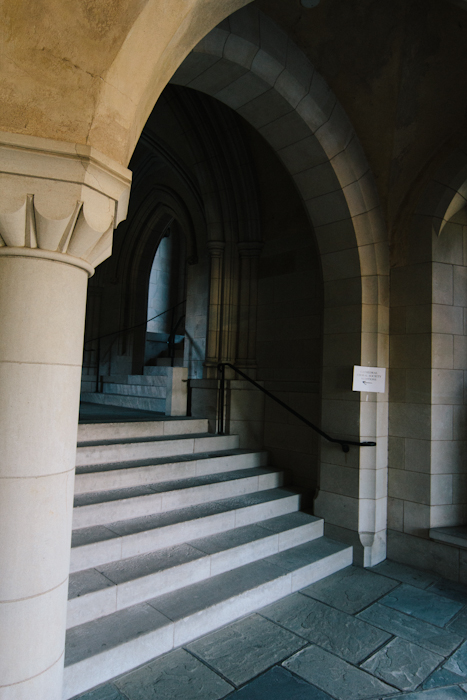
(42, 306)
(59, 204)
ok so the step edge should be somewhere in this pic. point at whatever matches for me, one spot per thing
(189, 492)
(140, 473)
(143, 440)
(292, 501)
(267, 471)
(85, 453)
(181, 637)
(207, 558)
(216, 455)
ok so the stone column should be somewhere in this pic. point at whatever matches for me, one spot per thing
(216, 251)
(59, 204)
(246, 347)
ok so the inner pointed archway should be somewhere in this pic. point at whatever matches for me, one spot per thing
(249, 64)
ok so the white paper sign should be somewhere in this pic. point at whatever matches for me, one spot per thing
(369, 379)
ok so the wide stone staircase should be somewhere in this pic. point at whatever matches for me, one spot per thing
(177, 532)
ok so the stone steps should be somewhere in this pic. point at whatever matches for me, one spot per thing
(109, 451)
(177, 532)
(141, 403)
(90, 432)
(163, 390)
(111, 645)
(103, 507)
(153, 379)
(152, 391)
(111, 587)
(120, 540)
(101, 477)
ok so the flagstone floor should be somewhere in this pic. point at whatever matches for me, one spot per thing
(387, 632)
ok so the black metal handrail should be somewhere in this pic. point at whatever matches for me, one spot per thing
(120, 332)
(171, 340)
(138, 325)
(345, 444)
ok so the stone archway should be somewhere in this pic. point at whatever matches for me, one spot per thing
(428, 361)
(160, 209)
(250, 65)
(93, 88)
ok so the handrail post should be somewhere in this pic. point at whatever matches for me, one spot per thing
(220, 417)
(171, 340)
(171, 343)
(98, 363)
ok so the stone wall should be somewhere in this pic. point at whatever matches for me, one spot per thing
(428, 360)
(289, 334)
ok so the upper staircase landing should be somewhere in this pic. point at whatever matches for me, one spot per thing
(101, 413)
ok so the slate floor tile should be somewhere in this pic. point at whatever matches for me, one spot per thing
(441, 678)
(427, 606)
(451, 693)
(175, 676)
(412, 629)
(319, 638)
(351, 589)
(402, 664)
(405, 574)
(279, 684)
(335, 676)
(458, 625)
(246, 648)
(332, 629)
(451, 589)
(457, 663)
(104, 692)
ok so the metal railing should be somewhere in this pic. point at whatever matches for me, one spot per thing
(345, 444)
(98, 339)
(171, 340)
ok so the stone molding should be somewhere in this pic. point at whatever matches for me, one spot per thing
(250, 248)
(59, 200)
(446, 194)
(216, 248)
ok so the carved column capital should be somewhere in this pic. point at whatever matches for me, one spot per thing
(216, 248)
(59, 200)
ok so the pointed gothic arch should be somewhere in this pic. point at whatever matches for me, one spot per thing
(248, 63)
(428, 416)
